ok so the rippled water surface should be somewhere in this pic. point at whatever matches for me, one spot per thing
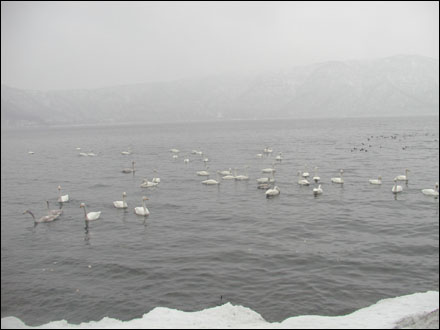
(202, 245)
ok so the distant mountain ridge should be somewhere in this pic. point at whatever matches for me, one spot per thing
(393, 86)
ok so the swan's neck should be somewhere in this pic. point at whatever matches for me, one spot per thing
(144, 206)
(33, 216)
(85, 212)
(47, 203)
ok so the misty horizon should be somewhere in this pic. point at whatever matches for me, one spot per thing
(64, 46)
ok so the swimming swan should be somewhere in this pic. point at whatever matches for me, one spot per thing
(91, 215)
(403, 177)
(339, 180)
(431, 192)
(46, 218)
(396, 189)
(273, 192)
(121, 204)
(317, 191)
(64, 198)
(242, 177)
(302, 182)
(142, 210)
(376, 181)
(129, 170)
(316, 178)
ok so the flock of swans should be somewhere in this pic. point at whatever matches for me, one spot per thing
(267, 183)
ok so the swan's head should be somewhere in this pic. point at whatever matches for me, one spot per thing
(59, 187)
(144, 198)
(395, 180)
(342, 171)
(82, 205)
(380, 177)
(436, 185)
(124, 194)
(27, 211)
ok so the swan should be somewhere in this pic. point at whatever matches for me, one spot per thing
(317, 191)
(226, 172)
(155, 180)
(126, 152)
(267, 180)
(91, 215)
(230, 176)
(305, 174)
(64, 198)
(175, 156)
(267, 150)
(396, 189)
(273, 192)
(211, 181)
(142, 210)
(148, 184)
(186, 160)
(340, 179)
(264, 186)
(259, 155)
(121, 204)
(46, 218)
(316, 178)
(431, 192)
(129, 170)
(302, 182)
(174, 150)
(91, 154)
(31, 152)
(83, 154)
(403, 177)
(243, 177)
(376, 181)
(203, 173)
(206, 159)
(269, 170)
(279, 157)
(78, 148)
(54, 212)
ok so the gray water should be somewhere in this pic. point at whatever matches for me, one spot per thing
(203, 246)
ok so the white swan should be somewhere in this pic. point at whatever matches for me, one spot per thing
(126, 152)
(267, 180)
(226, 172)
(376, 181)
(259, 155)
(175, 156)
(31, 152)
(46, 218)
(91, 154)
(242, 177)
(203, 173)
(267, 150)
(206, 160)
(129, 170)
(403, 177)
(212, 181)
(142, 210)
(230, 176)
(186, 160)
(279, 157)
(302, 182)
(396, 189)
(273, 192)
(91, 215)
(63, 198)
(339, 180)
(305, 173)
(316, 178)
(431, 192)
(54, 212)
(174, 150)
(264, 186)
(121, 204)
(83, 154)
(317, 191)
(148, 184)
(155, 180)
(269, 170)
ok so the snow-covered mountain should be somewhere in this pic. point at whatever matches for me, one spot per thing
(392, 86)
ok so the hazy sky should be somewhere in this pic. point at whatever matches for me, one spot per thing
(63, 45)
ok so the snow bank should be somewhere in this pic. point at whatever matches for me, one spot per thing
(404, 311)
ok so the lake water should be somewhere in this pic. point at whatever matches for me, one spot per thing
(203, 246)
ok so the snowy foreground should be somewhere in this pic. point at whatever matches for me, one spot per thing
(418, 310)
